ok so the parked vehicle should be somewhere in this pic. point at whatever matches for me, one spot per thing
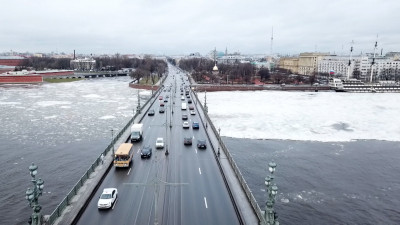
(136, 132)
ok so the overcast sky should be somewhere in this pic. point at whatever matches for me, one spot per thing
(185, 26)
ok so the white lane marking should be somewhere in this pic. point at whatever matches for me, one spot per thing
(138, 151)
(196, 150)
(199, 170)
(205, 202)
(129, 171)
(115, 203)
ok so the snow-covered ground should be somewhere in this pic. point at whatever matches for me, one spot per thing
(317, 116)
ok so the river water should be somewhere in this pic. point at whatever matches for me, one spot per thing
(64, 127)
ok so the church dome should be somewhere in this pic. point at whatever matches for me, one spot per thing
(215, 68)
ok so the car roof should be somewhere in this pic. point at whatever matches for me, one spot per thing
(160, 138)
(108, 190)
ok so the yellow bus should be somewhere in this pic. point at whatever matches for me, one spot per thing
(123, 156)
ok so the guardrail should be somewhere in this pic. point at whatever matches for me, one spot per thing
(66, 201)
(235, 168)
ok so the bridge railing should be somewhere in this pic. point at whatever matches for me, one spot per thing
(66, 201)
(235, 168)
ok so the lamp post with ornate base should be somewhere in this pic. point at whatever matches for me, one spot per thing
(270, 216)
(33, 196)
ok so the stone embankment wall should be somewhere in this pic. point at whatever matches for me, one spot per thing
(21, 79)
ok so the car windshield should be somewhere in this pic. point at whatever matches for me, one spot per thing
(105, 196)
(159, 141)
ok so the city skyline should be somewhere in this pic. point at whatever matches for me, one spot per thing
(176, 27)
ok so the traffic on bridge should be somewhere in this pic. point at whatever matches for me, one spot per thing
(173, 176)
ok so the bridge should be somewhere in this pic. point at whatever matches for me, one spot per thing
(187, 186)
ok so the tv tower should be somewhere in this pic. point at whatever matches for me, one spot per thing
(272, 40)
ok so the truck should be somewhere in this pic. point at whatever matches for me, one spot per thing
(136, 132)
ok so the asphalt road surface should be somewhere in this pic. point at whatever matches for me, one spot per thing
(185, 187)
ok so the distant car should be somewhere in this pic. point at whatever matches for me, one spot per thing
(195, 125)
(191, 107)
(183, 98)
(166, 100)
(167, 96)
(107, 198)
(160, 98)
(187, 96)
(145, 152)
(160, 142)
(201, 143)
(189, 100)
(151, 112)
(161, 103)
(161, 110)
(184, 116)
(185, 124)
(192, 112)
(187, 141)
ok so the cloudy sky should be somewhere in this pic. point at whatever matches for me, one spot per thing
(185, 26)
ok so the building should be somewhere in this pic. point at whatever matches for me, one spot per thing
(85, 64)
(290, 64)
(11, 60)
(308, 63)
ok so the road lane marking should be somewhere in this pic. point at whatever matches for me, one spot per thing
(196, 150)
(205, 202)
(129, 171)
(138, 151)
(199, 170)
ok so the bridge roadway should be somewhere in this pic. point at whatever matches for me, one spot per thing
(196, 193)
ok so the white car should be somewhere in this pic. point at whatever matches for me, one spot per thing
(183, 98)
(186, 124)
(192, 112)
(107, 198)
(160, 142)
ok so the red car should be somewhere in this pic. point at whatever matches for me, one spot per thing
(160, 98)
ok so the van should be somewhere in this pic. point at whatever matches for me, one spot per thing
(184, 106)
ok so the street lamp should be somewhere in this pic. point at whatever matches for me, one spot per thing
(219, 139)
(112, 140)
(270, 216)
(205, 101)
(33, 196)
(138, 105)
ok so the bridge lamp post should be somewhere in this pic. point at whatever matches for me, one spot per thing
(270, 215)
(112, 140)
(33, 196)
(205, 101)
(219, 139)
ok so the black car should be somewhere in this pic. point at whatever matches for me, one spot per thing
(161, 110)
(187, 141)
(189, 100)
(145, 152)
(184, 116)
(201, 143)
(151, 112)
